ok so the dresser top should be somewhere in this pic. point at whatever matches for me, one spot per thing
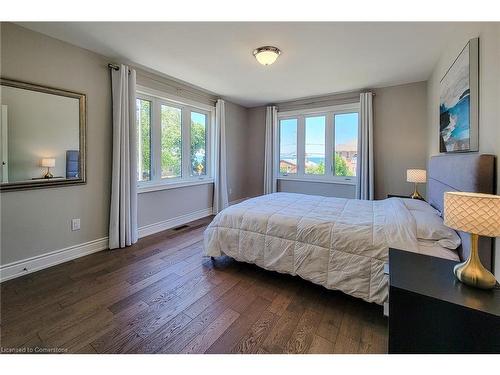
(433, 277)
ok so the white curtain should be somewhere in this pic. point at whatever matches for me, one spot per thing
(365, 155)
(220, 179)
(123, 212)
(271, 126)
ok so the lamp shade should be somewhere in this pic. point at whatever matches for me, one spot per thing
(473, 213)
(416, 175)
(48, 162)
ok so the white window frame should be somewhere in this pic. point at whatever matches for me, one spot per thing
(157, 99)
(301, 115)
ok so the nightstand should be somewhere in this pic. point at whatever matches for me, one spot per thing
(400, 196)
(432, 312)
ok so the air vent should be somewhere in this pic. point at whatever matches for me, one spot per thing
(180, 227)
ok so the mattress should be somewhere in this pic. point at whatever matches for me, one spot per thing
(339, 243)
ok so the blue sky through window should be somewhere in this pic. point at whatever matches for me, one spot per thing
(346, 128)
(288, 138)
(198, 118)
(315, 136)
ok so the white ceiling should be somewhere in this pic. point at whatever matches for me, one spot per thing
(317, 58)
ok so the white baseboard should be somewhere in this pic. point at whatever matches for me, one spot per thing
(39, 262)
(150, 229)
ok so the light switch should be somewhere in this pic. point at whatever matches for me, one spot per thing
(75, 224)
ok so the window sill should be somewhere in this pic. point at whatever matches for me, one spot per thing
(146, 188)
(340, 181)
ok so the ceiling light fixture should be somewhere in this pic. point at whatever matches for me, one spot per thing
(266, 55)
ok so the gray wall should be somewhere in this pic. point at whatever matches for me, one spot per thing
(319, 101)
(156, 206)
(158, 81)
(256, 139)
(35, 222)
(489, 94)
(400, 138)
(237, 149)
(38, 221)
(318, 188)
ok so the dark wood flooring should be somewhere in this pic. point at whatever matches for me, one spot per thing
(162, 296)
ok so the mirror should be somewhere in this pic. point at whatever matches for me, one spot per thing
(42, 136)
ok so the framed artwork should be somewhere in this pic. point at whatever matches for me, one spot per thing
(459, 102)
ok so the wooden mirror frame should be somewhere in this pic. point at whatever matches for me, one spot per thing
(82, 100)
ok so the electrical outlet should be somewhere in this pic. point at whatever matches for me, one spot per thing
(75, 224)
(230, 191)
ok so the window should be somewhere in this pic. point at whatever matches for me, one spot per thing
(143, 108)
(173, 142)
(198, 144)
(315, 145)
(288, 146)
(346, 144)
(319, 145)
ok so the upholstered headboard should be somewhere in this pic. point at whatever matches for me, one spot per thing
(463, 172)
(72, 163)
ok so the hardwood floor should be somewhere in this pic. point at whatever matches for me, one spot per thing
(162, 296)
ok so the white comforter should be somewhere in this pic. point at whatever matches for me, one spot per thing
(338, 243)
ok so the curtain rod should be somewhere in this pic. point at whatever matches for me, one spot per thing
(177, 89)
(323, 99)
(115, 67)
(180, 90)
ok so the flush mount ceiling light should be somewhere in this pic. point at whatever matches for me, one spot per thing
(266, 55)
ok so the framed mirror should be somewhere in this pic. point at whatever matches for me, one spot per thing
(42, 136)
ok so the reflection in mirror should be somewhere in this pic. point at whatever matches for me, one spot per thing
(42, 135)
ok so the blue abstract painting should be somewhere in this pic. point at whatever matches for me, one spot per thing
(455, 106)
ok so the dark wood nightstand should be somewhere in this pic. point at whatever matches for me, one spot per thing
(397, 196)
(400, 196)
(432, 312)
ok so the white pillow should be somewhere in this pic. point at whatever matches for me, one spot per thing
(430, 226)
(419, 205)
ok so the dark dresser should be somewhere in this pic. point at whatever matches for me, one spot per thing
(432, 312)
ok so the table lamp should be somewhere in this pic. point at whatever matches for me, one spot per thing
(48, 163)
(418, 176)
(479, 215)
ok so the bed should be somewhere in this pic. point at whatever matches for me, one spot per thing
(339, 243)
